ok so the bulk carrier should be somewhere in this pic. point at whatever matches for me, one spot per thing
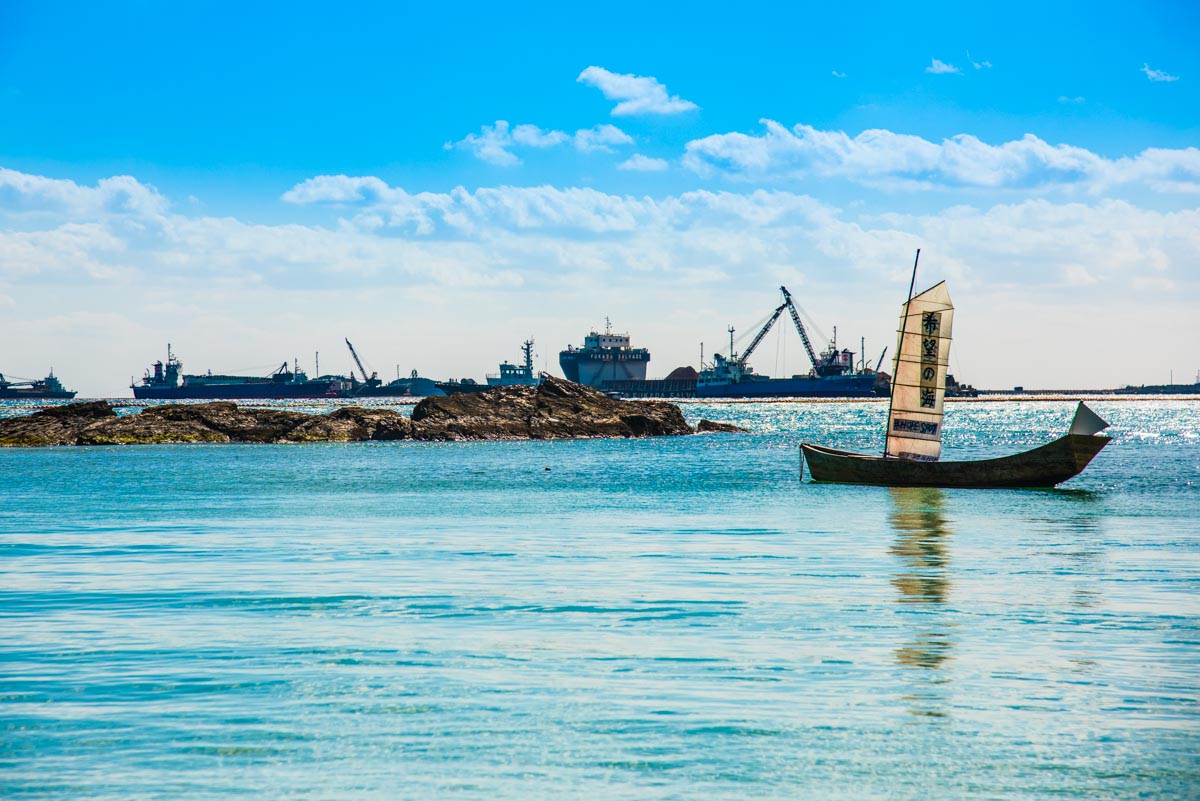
(166, 381)
(604, 357)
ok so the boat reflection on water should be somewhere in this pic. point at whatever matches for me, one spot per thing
(923, 583)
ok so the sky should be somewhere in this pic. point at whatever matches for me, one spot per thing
(438, 182)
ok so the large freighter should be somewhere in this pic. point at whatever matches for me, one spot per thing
(167, 382)
(48, 388)
(604, 357)
(832, 376)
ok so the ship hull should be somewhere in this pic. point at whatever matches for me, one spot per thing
(853, 386)
(33, 394)
(1047, 466)
(593, 369)
(263, 391)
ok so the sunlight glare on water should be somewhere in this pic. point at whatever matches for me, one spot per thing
(654, 619)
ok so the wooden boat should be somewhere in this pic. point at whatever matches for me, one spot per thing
(914, 432)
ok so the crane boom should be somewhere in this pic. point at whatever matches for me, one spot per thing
(762, 333)
(791, 307)
(357, 360)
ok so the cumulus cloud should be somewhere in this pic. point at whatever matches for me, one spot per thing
(602, 138)
(1158, 75)
(637, 94)
(456, 252)
(937, 67)
(639, 163)
(495, 143)
(491, 144)
(121, 194)
(891, 160)
(1030, 240)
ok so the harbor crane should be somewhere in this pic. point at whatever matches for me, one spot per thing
(358, 361)
(789, 304)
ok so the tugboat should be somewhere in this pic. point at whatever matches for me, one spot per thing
(832, 376)
(509, 375)
(167, 382)
(517, 374)
(604, 357)
(48, 388)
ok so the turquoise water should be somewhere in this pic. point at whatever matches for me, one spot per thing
(663, 619)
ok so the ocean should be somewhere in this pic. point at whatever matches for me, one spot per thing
(677, 618)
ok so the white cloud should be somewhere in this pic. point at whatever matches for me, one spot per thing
(574, 253)
(979, 65)
(890, 160)
(837, 74)
(639, 163)
(495, 143)
(490, 144)
(601, 138)
(533, 136)
(637, 94)
(121, 194)
(1158, 75)
(1077, 100)
(937, 67)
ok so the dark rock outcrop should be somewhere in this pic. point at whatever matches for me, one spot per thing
(711, 427)
(556, 409)
(352, 424)
(58, 425)
(220, 421)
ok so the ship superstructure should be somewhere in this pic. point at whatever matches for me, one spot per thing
(166, 381)
(604, 357)
(516, 374)
(832, 375)
(48, 388)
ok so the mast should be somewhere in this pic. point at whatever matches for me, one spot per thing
(903, 322)
(527, 350)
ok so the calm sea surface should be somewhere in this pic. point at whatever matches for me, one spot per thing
(680, 618)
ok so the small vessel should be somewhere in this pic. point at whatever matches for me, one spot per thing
(516, 374)
(604, 357)
(166, 381)
(914, 428)
(832, 375)
(509, 375)
(48, 388)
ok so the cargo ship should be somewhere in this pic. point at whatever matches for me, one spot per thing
(166, 381)
(48, 388)
(604, 357)
(832, 376)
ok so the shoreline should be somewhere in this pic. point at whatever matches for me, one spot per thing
(296, 403)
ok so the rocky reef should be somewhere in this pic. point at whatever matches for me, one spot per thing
(557, 409)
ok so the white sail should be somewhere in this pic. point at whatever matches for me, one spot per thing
(919, 376)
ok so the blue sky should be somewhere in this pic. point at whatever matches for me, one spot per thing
(164, 179)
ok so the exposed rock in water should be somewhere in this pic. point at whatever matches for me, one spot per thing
(58, 425)
(352, 424)
(711, 427)
(557, 409)
(221, 421)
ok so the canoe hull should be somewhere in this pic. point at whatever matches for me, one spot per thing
(1047, 466)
